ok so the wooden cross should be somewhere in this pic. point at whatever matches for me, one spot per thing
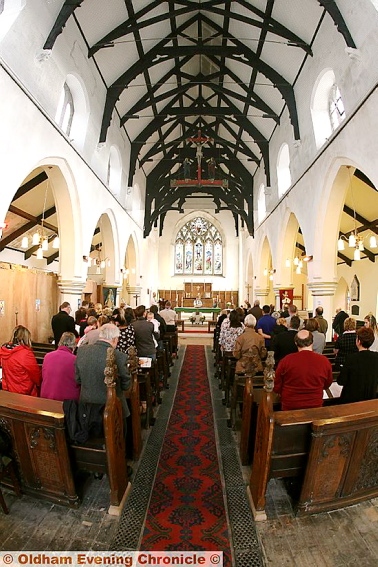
(136, 299)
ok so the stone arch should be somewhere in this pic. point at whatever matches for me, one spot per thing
(104, 267)
(66, 199)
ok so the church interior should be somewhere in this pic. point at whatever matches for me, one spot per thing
(209, 153)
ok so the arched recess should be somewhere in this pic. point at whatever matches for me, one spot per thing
(81, 111)
(342, 295)
(294, 256)
(114, 172)
(130, 269)
(283, 170)
(266, 277)
(249, 279)
(103, 265)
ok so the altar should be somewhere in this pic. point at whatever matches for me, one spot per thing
(205, 310)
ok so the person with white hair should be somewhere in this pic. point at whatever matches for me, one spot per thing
(248, 344)
(90, 366)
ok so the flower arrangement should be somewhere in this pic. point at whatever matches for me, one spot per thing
(197, 318)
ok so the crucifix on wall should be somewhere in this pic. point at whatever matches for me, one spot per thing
(248, 287)
(136, 296)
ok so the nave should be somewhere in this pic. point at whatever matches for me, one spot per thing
(337, 538)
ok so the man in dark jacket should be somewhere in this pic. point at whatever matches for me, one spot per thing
(359, 374)
(144, 334)
(62, 322)
(284, 343)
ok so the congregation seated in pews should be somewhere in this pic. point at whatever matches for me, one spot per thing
(65, 380)
(304, 431)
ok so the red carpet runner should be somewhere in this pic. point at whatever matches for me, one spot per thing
(186, 510)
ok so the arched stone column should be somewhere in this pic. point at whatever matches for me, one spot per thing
(323, 293)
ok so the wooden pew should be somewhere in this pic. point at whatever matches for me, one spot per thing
(253, 391)
(41, 454)
(322, 445)
(46, 460)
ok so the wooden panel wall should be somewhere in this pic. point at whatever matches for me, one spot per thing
(19, 289)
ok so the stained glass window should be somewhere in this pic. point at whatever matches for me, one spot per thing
(198, 249)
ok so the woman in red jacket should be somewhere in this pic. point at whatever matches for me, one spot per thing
(21, 373)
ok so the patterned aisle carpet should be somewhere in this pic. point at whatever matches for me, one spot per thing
(187, 509)
(173, 436)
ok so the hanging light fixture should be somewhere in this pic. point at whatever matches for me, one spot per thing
(56, 242)
(25, 243)
(269, 272)
(40, 253)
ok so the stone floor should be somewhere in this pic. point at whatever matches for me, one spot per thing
(335, 539)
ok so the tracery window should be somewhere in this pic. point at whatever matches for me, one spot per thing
(199, 249)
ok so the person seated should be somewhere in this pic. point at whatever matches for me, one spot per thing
(21, 373)
(249, 344)
(312, 325)
(90, 365)
(58, 371)
(302, 376)
(359, 374)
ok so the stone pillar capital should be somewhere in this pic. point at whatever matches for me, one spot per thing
(69, 287)
(322, 289)
(262, 292)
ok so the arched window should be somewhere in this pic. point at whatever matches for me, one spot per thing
(114, 171)
(261, 205)
(66, 109)
(73, 111)
(327, 108)
(283, 170)
(199, 249)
